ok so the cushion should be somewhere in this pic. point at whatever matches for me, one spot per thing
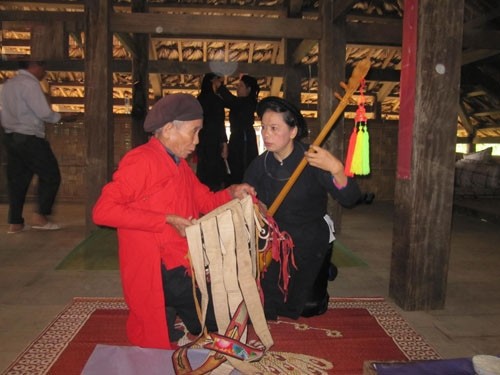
(484, 155)
(477, 178)
(458, 366)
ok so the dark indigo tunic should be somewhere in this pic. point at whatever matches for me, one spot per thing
(211, 169)
(301, 214)
(243, 140)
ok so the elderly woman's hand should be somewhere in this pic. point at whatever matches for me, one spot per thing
(240, 191)
(179, 223)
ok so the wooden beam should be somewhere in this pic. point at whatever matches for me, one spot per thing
(292, 81)
(199, 68)
(80, 101)
(53, 4)
(278, 81)
(469, 128)
(477, 93)
(373, 34)
(154, 79)
(15, 42)
(295, 7)
(472, 56)
(212, 9)
(40, 16)
(266, 10)
(292, 88)
(220, 26)
(128, 43)
(374, 19)
(475, 76)
(302, 50)
(385, 90)
(480, 22)
(48, 41)
(482, 39)
(369, 33)
(342, 7)
(494, 112)
(486, 140)
(357, 34)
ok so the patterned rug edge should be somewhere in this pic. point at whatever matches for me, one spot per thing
(76, 313)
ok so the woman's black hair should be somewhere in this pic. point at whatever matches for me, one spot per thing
(291, 115)
(252, 83)
(206, 83)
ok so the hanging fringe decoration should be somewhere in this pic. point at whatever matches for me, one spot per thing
(350, 152)
(358, 153)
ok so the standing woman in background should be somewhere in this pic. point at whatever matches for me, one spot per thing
(212, 149)
(243, 140)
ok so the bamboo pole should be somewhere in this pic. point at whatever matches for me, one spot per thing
(352, 85)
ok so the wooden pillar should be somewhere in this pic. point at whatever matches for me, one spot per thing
(331, 71)
(98, 117)
(292, 80)
(430, 77)
(49, 41)
(140, 79)
(292, 88)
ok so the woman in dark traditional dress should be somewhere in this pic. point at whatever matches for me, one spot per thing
(243, 140)
(303, 211)
(212, 149)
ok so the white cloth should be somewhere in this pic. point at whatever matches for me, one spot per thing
(329, 221)
(24, 106)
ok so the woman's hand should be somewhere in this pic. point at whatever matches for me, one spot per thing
(320, 158)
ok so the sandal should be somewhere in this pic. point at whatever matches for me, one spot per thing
(48, 226)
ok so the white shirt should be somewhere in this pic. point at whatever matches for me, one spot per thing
(24, 106)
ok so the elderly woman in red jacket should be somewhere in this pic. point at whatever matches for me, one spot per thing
(153, 197)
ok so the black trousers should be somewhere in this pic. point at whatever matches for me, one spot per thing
(178, 291)
(28, 155)
(307, 291)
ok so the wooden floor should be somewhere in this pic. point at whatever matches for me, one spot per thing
(33, 291)
(483, 208)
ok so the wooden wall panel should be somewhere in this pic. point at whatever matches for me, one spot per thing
(383, 156)
(68, 141)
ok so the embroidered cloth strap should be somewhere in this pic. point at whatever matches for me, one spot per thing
(228, 237)
(225, 347)
(213, 248)
(247, 280)
(230, 345)
(225, 239)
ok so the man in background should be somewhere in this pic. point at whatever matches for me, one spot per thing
(24, 113)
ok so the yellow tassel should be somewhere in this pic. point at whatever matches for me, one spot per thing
(357, 161)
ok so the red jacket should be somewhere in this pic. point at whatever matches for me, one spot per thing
(147, 186)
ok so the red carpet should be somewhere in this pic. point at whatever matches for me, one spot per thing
(353, 330)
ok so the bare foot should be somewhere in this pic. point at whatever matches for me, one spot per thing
(39, 220)
(17, 228)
